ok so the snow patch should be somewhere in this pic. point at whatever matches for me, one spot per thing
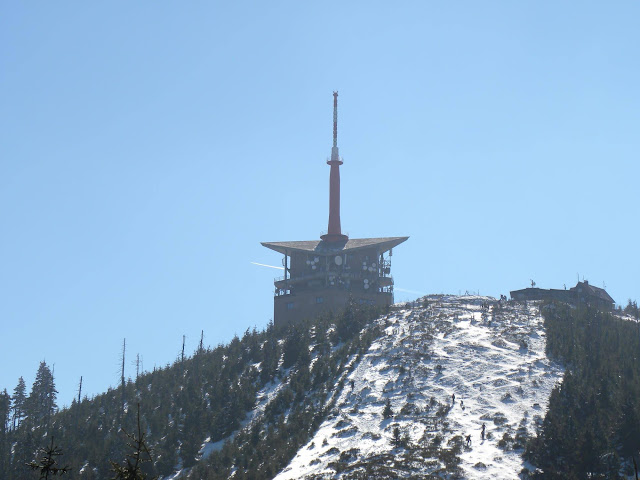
(491, 357)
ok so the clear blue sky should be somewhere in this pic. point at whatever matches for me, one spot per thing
(146, 148)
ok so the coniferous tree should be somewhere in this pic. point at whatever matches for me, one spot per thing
(388, 411)
(42, 400)
(629, 426)
(632, 309)
(132, 468)
(396, 437)
(23, 452)
(19, 400)
(592, 420)
(47, 464)
(5, 411)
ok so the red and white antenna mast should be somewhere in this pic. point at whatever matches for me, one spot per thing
(334, 233)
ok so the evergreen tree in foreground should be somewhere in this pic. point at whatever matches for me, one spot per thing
(132, 469)
(47, 464)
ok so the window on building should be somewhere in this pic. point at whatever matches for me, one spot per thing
(290, 306)
(319, 299)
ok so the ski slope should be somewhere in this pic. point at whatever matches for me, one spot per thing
(491, 357)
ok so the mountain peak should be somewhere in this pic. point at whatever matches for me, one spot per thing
(492, 359)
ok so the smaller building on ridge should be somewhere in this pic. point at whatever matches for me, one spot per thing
(581, 293)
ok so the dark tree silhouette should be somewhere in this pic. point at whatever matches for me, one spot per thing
(19, 400)
(47, 464)
(42, 400)
(388, 411)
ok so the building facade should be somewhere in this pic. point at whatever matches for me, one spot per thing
(324, 275)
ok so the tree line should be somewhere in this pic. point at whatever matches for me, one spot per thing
(592, 426)
(203, 397)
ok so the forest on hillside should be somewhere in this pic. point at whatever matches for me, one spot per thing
(253, 403)
(207, 397)
(592, 427)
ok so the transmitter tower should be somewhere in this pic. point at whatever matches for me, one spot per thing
(324, 275)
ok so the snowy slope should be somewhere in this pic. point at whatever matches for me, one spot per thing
(491, 357)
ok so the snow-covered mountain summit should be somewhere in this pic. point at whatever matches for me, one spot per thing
(490, 355)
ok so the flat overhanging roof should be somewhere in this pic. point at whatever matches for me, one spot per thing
(320, 246)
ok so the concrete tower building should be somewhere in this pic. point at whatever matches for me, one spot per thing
(323, 275)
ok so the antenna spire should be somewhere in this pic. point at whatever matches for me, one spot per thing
(334, 233)
(335, 119)
(334, 150)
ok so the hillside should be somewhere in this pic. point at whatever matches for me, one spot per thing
(368, 394)
(592, 427)
(493, 359)
(245, 407)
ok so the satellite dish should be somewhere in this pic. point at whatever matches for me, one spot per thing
(338, 260)
(364, 267)
(316, 260)
(313, 267)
